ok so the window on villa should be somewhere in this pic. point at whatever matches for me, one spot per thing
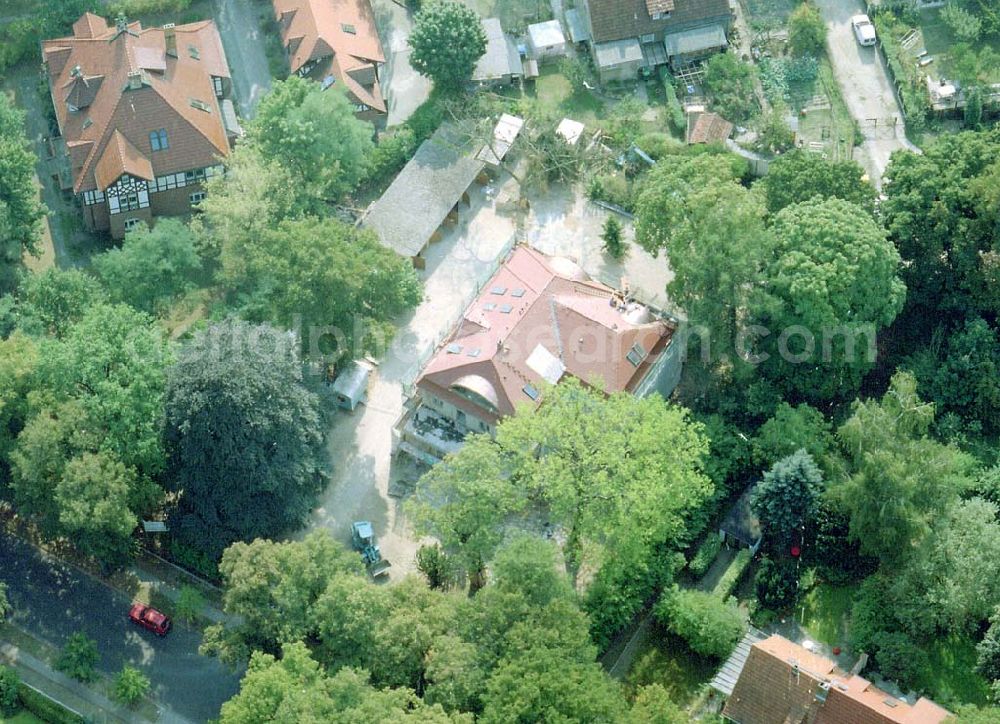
(531, 391)
(636, 355)
(348, 28)
(132, 223)
(200, 105)
(158, 140)
(197, 197)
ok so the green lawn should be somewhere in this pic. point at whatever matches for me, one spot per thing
(22, 717)
(951, 675)
(666, 660)
(555, 97)
(825, 611)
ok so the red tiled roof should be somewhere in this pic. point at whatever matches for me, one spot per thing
(784, 683)
(120, 157)
(162, 100)
(550, 319)
(340, 33)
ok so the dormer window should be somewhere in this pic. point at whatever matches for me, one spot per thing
(348, 28)
(158, 140)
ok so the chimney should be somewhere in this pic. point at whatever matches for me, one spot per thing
(170, 38)
(859, 664)
(134, 79)
(76, 72)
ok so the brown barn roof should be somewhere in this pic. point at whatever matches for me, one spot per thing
(341, 33)
(620, 19)
(123, 85)
(784, 683)
(538, 318)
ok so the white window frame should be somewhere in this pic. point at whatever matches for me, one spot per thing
(131, 223)
(197, 197)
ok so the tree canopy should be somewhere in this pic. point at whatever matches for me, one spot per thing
(315, 136)
(446, 41)
(798, 176)
(243, 436)
(787, 498)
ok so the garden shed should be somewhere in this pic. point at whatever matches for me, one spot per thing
(546, 40)
(741, 526)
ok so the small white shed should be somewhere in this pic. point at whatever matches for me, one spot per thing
(546, 40)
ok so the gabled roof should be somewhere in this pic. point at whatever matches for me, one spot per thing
(119, 157)
(538, 319)
(708, 128)
(340, 33)
(501, 57)
(93, 68)
(783, 682)
(619, 19)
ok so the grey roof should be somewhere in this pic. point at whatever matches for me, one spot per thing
(695, 40)
(741, 523)
(617, 19)
(726, 678)
(618, 52)
(501, 57)
(578, 30)
(424, 192)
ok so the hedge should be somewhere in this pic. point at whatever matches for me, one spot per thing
(45, 708)
(710, 626)
(731, 577)
(705, 554)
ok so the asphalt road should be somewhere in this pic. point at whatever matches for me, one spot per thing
(53, 600)
(240, 33)
(865, 85)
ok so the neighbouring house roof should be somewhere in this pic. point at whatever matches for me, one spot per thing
(618, 52)
(741, 523)
(784, 682)
(342, 35)
(726, 677)
(570, 130)
(618, 19)
(106, 123)
(501, 58)
(709, 127)
(538, 319)
(695, 40)
(424, 192)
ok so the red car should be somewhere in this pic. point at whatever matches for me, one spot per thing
(149, 617)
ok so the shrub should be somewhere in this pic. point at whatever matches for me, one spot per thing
(189, 604)
(614, 244)
(806, 30)
(727, 583)
(966, 26)
(79, 657)
(675, 111)
(776, 583)
(729, 83)
(774, 79)
(133, 8)
(659, 145)
(130, 686)
(899, 658)
(612, 188)
(711, 626)
(5, 607)
(45, 708)
(705, 554)
(189, 557)
(9, 683)
(438, 568)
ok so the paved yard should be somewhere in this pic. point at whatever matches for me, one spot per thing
(360, 444)
(865, 86)
(240, 32)
(403, 87)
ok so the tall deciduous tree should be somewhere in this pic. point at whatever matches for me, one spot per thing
(799, 176)
(446, 41)
(899, 479)
(832, 285)
(464, 501)
(18, 359)
(243, 436)
(712, 230)
(787, 498)
(52, 301)
(338, 284)
(152, 267)
(618, 471)
(313, 134)
(942, 212)
(806, 30)
(20, 210)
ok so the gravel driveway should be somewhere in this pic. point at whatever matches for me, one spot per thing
(866, 88)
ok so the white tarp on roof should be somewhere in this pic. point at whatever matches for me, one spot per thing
(570, 130)
(549, 367)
